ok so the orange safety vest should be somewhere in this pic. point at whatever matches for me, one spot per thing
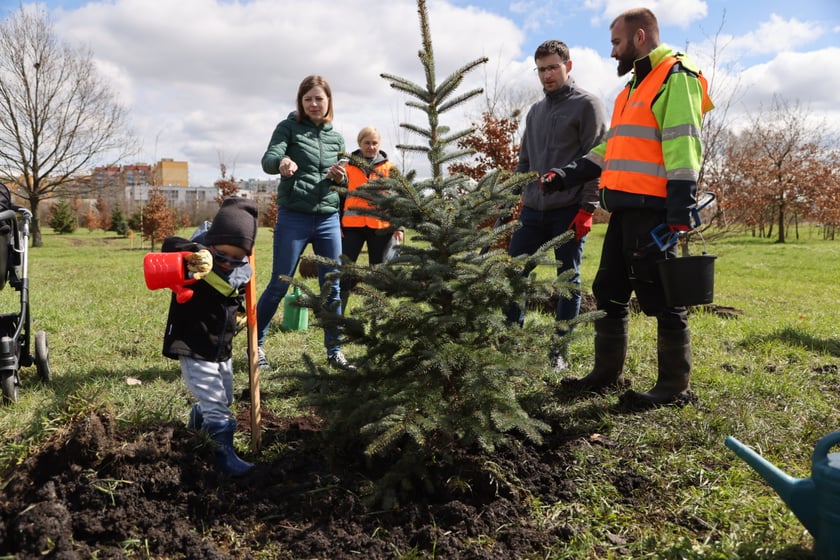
(633, 160)
(355, 178)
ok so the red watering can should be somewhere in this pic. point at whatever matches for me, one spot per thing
(168, 270)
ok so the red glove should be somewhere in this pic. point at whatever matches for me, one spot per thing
(581, 224)
(678, 228)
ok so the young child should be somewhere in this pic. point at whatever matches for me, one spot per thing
(199, 332)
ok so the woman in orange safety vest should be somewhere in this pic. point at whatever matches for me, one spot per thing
(367, 163)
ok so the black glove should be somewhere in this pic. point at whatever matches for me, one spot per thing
(553, 181)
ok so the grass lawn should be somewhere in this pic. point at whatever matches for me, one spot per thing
(769, 377)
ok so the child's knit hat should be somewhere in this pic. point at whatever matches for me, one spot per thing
(235, 224)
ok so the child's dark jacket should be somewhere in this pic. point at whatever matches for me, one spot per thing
(203, 327)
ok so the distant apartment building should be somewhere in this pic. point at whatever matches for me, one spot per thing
(168, 172)
(122, 176)
(128, 187)
(137, 174)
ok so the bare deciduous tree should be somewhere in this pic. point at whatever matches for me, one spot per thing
(58, 117)
(777, 169)
(725, 91)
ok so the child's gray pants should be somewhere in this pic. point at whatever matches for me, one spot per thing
(211, 383)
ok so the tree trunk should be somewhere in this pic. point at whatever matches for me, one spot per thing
(781, 238)
(35, 226)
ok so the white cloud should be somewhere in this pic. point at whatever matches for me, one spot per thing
(207, 79)
(794, 78)
(776, 35)
(680, 13)
(772, 37)
(596, 74)
(797, 77)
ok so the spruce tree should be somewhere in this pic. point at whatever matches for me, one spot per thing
(442, 374)
(119, 223)
(61, 218)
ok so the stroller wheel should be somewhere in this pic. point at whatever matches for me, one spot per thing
(8, 380)
(42, 356)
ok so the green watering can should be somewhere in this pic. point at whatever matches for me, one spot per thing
(816, 500)
(295, 317)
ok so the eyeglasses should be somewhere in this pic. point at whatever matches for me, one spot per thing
(550, 68)
(224, 259)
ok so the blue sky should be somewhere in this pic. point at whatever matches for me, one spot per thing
(206, 80)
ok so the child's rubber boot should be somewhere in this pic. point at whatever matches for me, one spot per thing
(196, 420)
(227, 461)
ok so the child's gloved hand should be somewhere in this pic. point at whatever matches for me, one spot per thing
(241, 322)
(199, 263)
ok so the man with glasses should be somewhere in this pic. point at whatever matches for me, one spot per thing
(559, 128)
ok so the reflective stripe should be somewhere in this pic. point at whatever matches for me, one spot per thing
(685, 174)
(638, 131)
(595, 158)
(220, 285)
(633, 166)
(679, 131)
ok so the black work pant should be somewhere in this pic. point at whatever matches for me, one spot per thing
(629, 265)
(352, 241)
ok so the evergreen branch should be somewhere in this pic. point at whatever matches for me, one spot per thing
(455, 155)
(417, 130)
(408, 148)
(459, 100)
(453, 138)
(385, 438)
(421, 106)
(455, 79)
(408, 87)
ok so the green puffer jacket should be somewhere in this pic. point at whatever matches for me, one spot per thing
(314, 149)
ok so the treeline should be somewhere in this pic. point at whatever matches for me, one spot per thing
(778, 172)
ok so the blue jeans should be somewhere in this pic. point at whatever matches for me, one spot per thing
(539, 227)
(292, 232)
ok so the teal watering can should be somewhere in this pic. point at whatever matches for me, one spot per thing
(815, 501)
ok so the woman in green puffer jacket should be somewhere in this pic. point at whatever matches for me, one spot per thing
(305, 150)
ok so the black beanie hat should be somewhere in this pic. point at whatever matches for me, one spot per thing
(235, 224)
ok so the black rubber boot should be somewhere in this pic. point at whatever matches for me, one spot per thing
(227, 461)
(673, 349)
(610, 351)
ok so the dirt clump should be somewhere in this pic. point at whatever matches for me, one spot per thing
(150, 491)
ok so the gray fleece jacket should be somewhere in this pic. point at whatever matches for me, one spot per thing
(560, 128)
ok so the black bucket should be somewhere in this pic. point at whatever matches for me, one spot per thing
(688, 280)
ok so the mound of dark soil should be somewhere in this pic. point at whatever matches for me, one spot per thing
(152, 492)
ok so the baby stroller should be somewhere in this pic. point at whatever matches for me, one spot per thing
(14, 327)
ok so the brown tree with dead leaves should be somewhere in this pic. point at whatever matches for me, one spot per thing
(777, 173)
(158, 218)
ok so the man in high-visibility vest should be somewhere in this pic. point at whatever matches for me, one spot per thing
(649, 166)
